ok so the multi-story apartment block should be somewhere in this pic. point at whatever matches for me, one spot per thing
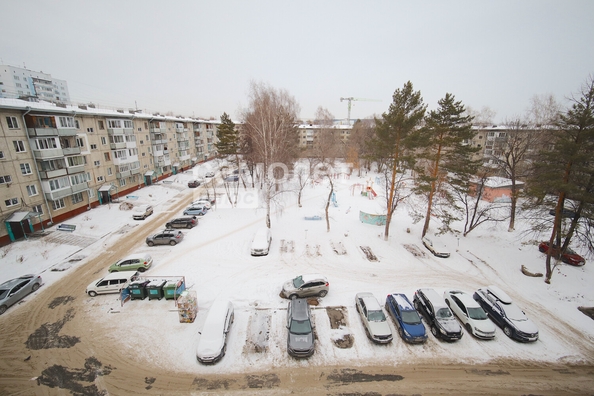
(57, 161)
(17, 82)
(309, 132)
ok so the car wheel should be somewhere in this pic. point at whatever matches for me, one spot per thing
(541, 250)
(172, 243)
(3, 309)
(35, 287)
(507, 331)
(114, 271)
(150, 243)
(168, 225)
(92, 293)
(323, 293)
(293, 296)
(189, 226)
(141, 269)
(434, 331)
(468, 328)
(401, 332)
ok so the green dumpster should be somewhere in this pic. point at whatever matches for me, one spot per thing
(155, 289)
(138, 289)
(173, 288)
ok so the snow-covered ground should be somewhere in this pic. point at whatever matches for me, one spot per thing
(215, 260)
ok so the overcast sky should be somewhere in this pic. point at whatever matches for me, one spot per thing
(197, 58)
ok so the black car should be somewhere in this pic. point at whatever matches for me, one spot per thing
(441, 321)
(193, 183)
(182, 222)
(507, 315)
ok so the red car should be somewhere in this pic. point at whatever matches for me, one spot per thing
(569, 257)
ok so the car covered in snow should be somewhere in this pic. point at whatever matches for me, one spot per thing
(306, 285)
(194, 183)
(569, 257)
(436, 252)
(507, 315)
(471, 315)
(439, 317)
(373, 318)
(300, 328)
(14, 290)
(261, 242)
(213, 337)
(406, 317)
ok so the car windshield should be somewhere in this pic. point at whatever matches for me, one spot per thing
(298, 282)
(376, 316)
(477, 313)
(300, 327)
(444, 313)
(411, 317)
(513, 312)
(3, 293)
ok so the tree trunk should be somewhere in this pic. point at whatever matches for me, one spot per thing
(328, 204)
(392, 187)
(432, 192)
(514, 203)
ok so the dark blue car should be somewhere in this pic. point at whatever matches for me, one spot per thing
(406, 317)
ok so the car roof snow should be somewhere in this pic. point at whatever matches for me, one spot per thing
(499, 294)
(403, 302)
(312, 277)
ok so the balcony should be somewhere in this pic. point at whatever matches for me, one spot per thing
(157, 130)
(121, 175)
(135, 171)
(119, 145)
(182, 138)
(48, 154)
(184, 157)
(50, 174)
(75, 169)
(120, 131)
(42, 131)
(80, 187)
(71, 150)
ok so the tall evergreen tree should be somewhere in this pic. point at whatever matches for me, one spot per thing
(446, 154)
(228, 137)
(391, 140)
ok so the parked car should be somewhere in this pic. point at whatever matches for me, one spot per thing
(111, 283)
(305, 286)
(204, 202)
(213, 337)
(569, 257)
(506, 314)
(373, 318)
(406, 317)
(206, 197)
(441, 321)
(469, 312)
(193, 183)
(195, 210)
(438, 253)
(135, 262)
(209, 174)
(182, 222)
(300, 338)
(232, 178)
(141, 212)
(14, 290)
(165, 237)
(567, 213)
(261, 242)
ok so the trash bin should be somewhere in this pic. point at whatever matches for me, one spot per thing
(138, 289)
(173, 288)
(155, 289)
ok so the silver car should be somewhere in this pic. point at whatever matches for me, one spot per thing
(14, 290)
(373, 318)
(306, 285)
(165, 237)
(300, 338)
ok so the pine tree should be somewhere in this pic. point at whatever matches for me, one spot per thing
(228, 137)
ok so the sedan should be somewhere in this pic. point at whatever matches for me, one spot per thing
(182, 222)
(14, 290)
(569, 257)
(506, 314)
(209, 174)
(134, 262)
(437, 253)
(195, 210)
(470, 314)
(165, 237)
(406, 317)
(204, 202)
(373, 318)
(193, 183)
(306, 286)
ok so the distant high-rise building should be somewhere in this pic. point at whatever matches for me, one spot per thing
(18, 82)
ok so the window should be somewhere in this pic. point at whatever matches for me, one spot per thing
(26, 169)
(5, 179)
(109, 172)
(103, 140)
(100, 178)
(38, 209)
(101, 125)
(128, 124)
(66, 122)
(90, 130)
(1, 154)
(77, 124)
(146, 125)
(19, 146)
(80, 142)
(17, 78)
(58, 204)
(93, 147)
(106, 155)
(12, 122)
(114, 124)
(58, 184)
(122, 182)
(45, 144)
(141, 142)
(76, 198)
(75, 161)
(11, 202)
(19, 85)
(78, 179)
(32, 190)
(96, 163)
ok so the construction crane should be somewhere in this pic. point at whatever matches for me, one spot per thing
(351, 99)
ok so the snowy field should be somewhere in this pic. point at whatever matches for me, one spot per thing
(215, 260)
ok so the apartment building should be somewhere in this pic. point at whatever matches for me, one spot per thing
(309, 132)
(57, 161)
(18, 82)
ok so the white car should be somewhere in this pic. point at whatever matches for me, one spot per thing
(213, 337)
(141, 212)
(261, 242)
(373, 318)
(202, 201)
(436, 252)
(470, 313)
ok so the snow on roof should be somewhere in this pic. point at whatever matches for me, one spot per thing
(403, 302)
(498, 182)
(311, 277)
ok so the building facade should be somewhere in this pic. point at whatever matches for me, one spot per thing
(57, 161)
(18, 82)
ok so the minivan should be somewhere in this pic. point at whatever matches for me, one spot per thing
(261, 242)
(115, 282)
(213, 340)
